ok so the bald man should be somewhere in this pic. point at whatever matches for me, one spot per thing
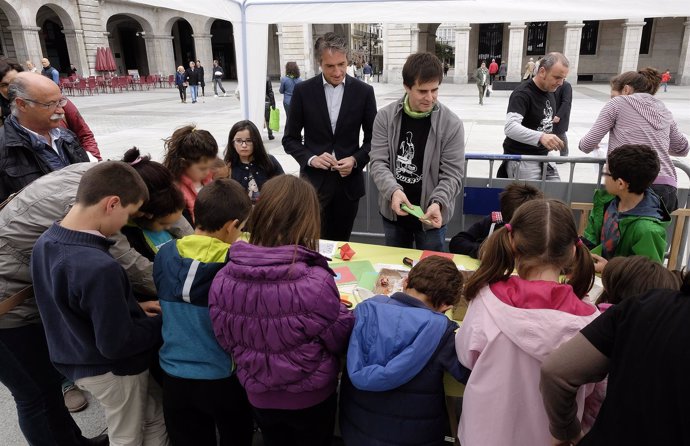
(50, 72)
(32, 143)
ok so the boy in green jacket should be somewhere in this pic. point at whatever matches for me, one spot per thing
(628, 218)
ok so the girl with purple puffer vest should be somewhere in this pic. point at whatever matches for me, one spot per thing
(276, 309)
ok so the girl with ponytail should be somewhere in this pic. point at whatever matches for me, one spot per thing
(514, 322)
(635, 116)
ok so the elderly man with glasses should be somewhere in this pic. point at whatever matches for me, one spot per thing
(32, 143)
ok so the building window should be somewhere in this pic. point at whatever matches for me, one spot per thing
(588, 42)
(646, 36)
(536, 38)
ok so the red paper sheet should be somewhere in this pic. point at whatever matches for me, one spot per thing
(426, 254)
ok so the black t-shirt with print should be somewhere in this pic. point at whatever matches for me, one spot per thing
(537, 108)
(647, 400)
(409, 160)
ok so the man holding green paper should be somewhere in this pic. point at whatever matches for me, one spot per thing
(417, 159)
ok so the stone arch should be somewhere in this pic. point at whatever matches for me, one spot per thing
(223, 46)
(126, 34)
(55, 23)
(184, 47)
(9, 17)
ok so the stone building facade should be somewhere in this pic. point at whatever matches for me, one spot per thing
(152, 40)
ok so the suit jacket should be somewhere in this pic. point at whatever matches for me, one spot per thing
(308, 111)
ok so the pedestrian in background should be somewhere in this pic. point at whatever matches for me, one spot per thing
(217, 77)
(482, 77)
(287, 85)
(202, 82)
(181, 82)
(269, 103)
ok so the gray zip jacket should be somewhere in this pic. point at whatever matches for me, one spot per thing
(443, 165)
(34, 210)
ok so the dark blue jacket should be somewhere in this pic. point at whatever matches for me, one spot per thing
(92, 322)
(244, 173)
(393, 392)
(24, 157)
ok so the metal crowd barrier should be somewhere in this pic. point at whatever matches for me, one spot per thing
(369, 228)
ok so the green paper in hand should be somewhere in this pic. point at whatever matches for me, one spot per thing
(414, 210)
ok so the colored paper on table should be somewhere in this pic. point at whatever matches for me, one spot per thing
(414, 210)
(343, 274)
(368, 280)
(359, 268)
(426, 254)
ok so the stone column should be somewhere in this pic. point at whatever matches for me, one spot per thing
(77, 50)
(310, 62)
(515, 51)
(571, 47)
(27, 43)
(398, 41)
(462, 53)
(630, 47)
(161, 55)
(414, 39)
(683, 76)
(204, 51)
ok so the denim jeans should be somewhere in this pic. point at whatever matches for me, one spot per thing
(531, 170)
(432, 240)
(35, 385)
(194, 90)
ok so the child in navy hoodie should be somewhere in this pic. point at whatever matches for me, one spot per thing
(201, 392)
(392, 393)
(98, 335)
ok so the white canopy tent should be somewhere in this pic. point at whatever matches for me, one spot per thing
(250, 19)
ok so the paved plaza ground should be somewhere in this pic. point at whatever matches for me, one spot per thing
(145, 118)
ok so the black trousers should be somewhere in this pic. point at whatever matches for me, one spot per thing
(338, 211)
(312, 426)
(668, 194)
(195, 408)
(183, 92)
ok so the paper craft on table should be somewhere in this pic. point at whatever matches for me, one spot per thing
(346, 253)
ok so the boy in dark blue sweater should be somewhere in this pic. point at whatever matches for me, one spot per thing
(98, 335)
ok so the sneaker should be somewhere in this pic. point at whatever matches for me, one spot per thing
(215, 95)
(224, 94)
(271, 137)
(74, 398)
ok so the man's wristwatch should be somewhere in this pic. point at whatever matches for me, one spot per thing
(440, 206)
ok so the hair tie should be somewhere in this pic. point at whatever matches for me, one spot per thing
(136, 161)
(194, 130)
(509, 227)
(579, 242)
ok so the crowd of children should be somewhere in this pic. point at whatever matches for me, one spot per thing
(254, 332)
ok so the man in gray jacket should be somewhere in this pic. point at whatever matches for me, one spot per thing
(27, 370)
(417, 158)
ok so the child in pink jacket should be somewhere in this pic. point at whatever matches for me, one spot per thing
(514, 322)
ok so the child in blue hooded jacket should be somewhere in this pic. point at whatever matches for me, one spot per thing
(201, 393)
(392, 393)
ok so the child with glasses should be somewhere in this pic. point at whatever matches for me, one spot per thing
(628, 218)
(251, 165)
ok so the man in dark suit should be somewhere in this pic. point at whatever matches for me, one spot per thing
(331, 108)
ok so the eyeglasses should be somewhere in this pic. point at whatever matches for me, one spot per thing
(48, 105)
(243, 142)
